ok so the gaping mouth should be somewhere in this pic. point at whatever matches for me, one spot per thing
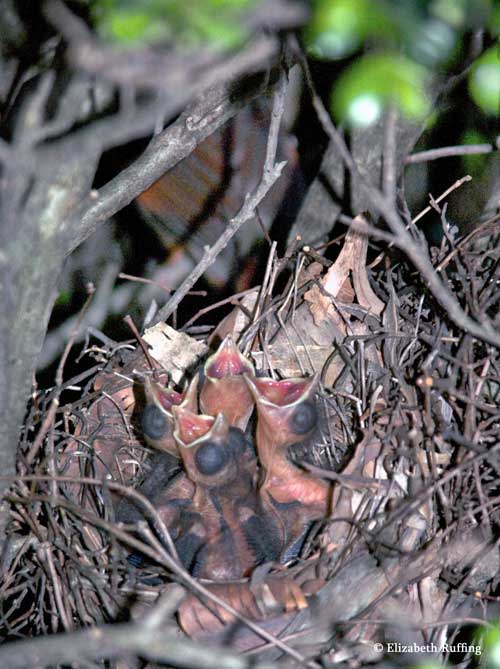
(190, 427)
(281, 393)
(227, 361)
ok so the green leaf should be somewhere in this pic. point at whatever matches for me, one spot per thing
(489, 639)
(462, 14)
(63, 299)
(475, 163)
(217, 29)
(431, 42)
(131, 26)
(338, 27)
(376, 80)
(188, 23)
(484, 81)
(494, 24)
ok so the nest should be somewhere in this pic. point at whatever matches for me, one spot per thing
(406, 442)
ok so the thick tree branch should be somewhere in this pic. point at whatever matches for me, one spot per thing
(201, 119)
(48, 207)
(152, 642)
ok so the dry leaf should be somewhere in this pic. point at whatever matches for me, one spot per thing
(175, 351)
(350, 263)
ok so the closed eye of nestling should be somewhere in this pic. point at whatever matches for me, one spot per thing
(304, 418)
(211, 458)
(154, 422)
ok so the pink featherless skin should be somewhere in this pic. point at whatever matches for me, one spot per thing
(224, 498)
(286, 414)
(224, 388)
(157, 419)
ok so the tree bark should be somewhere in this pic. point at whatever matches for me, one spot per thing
(47, 209)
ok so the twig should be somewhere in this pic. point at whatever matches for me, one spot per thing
(200, 119)
(447, 151)
(388, 237)
(228, 300)
(486, 226)
(160, 556)
(97, 313)
(156, 284)
(271, 173)
(128, 320)
(74, 334)
(453, 187)
(414, 251)
(49, 418)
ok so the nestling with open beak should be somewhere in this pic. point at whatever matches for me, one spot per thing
(224, 389)
(225, 515)
(286, 415)
(157, 419)
(168, 489)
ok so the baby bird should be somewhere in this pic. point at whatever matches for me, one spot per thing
(157, 419)
(224, 389)
(226, 516)
(286, 415)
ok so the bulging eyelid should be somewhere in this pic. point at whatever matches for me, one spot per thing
(304, 418)
(211, 457)
(154, 422)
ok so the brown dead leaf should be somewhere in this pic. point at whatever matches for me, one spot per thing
(351, 264)
(175, 351)
(320, 305)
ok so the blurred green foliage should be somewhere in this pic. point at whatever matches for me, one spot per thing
(475, 163)
(337, 29)
(378, 79)
(489, 640)
(494, 24)
(390, 48)
(63, 299)
(405, 43)
(186, 24)
(484, 81)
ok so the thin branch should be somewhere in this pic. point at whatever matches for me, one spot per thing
(415, 251)
(156, 284)
(165, 69)
(233, 300)
(49, 418)
(168, 98)
(487, 226)
(449, 190)
(68, 24)
(160, 555)
(208, 113)
(271, 173)
(390, 239)
(447, 151)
